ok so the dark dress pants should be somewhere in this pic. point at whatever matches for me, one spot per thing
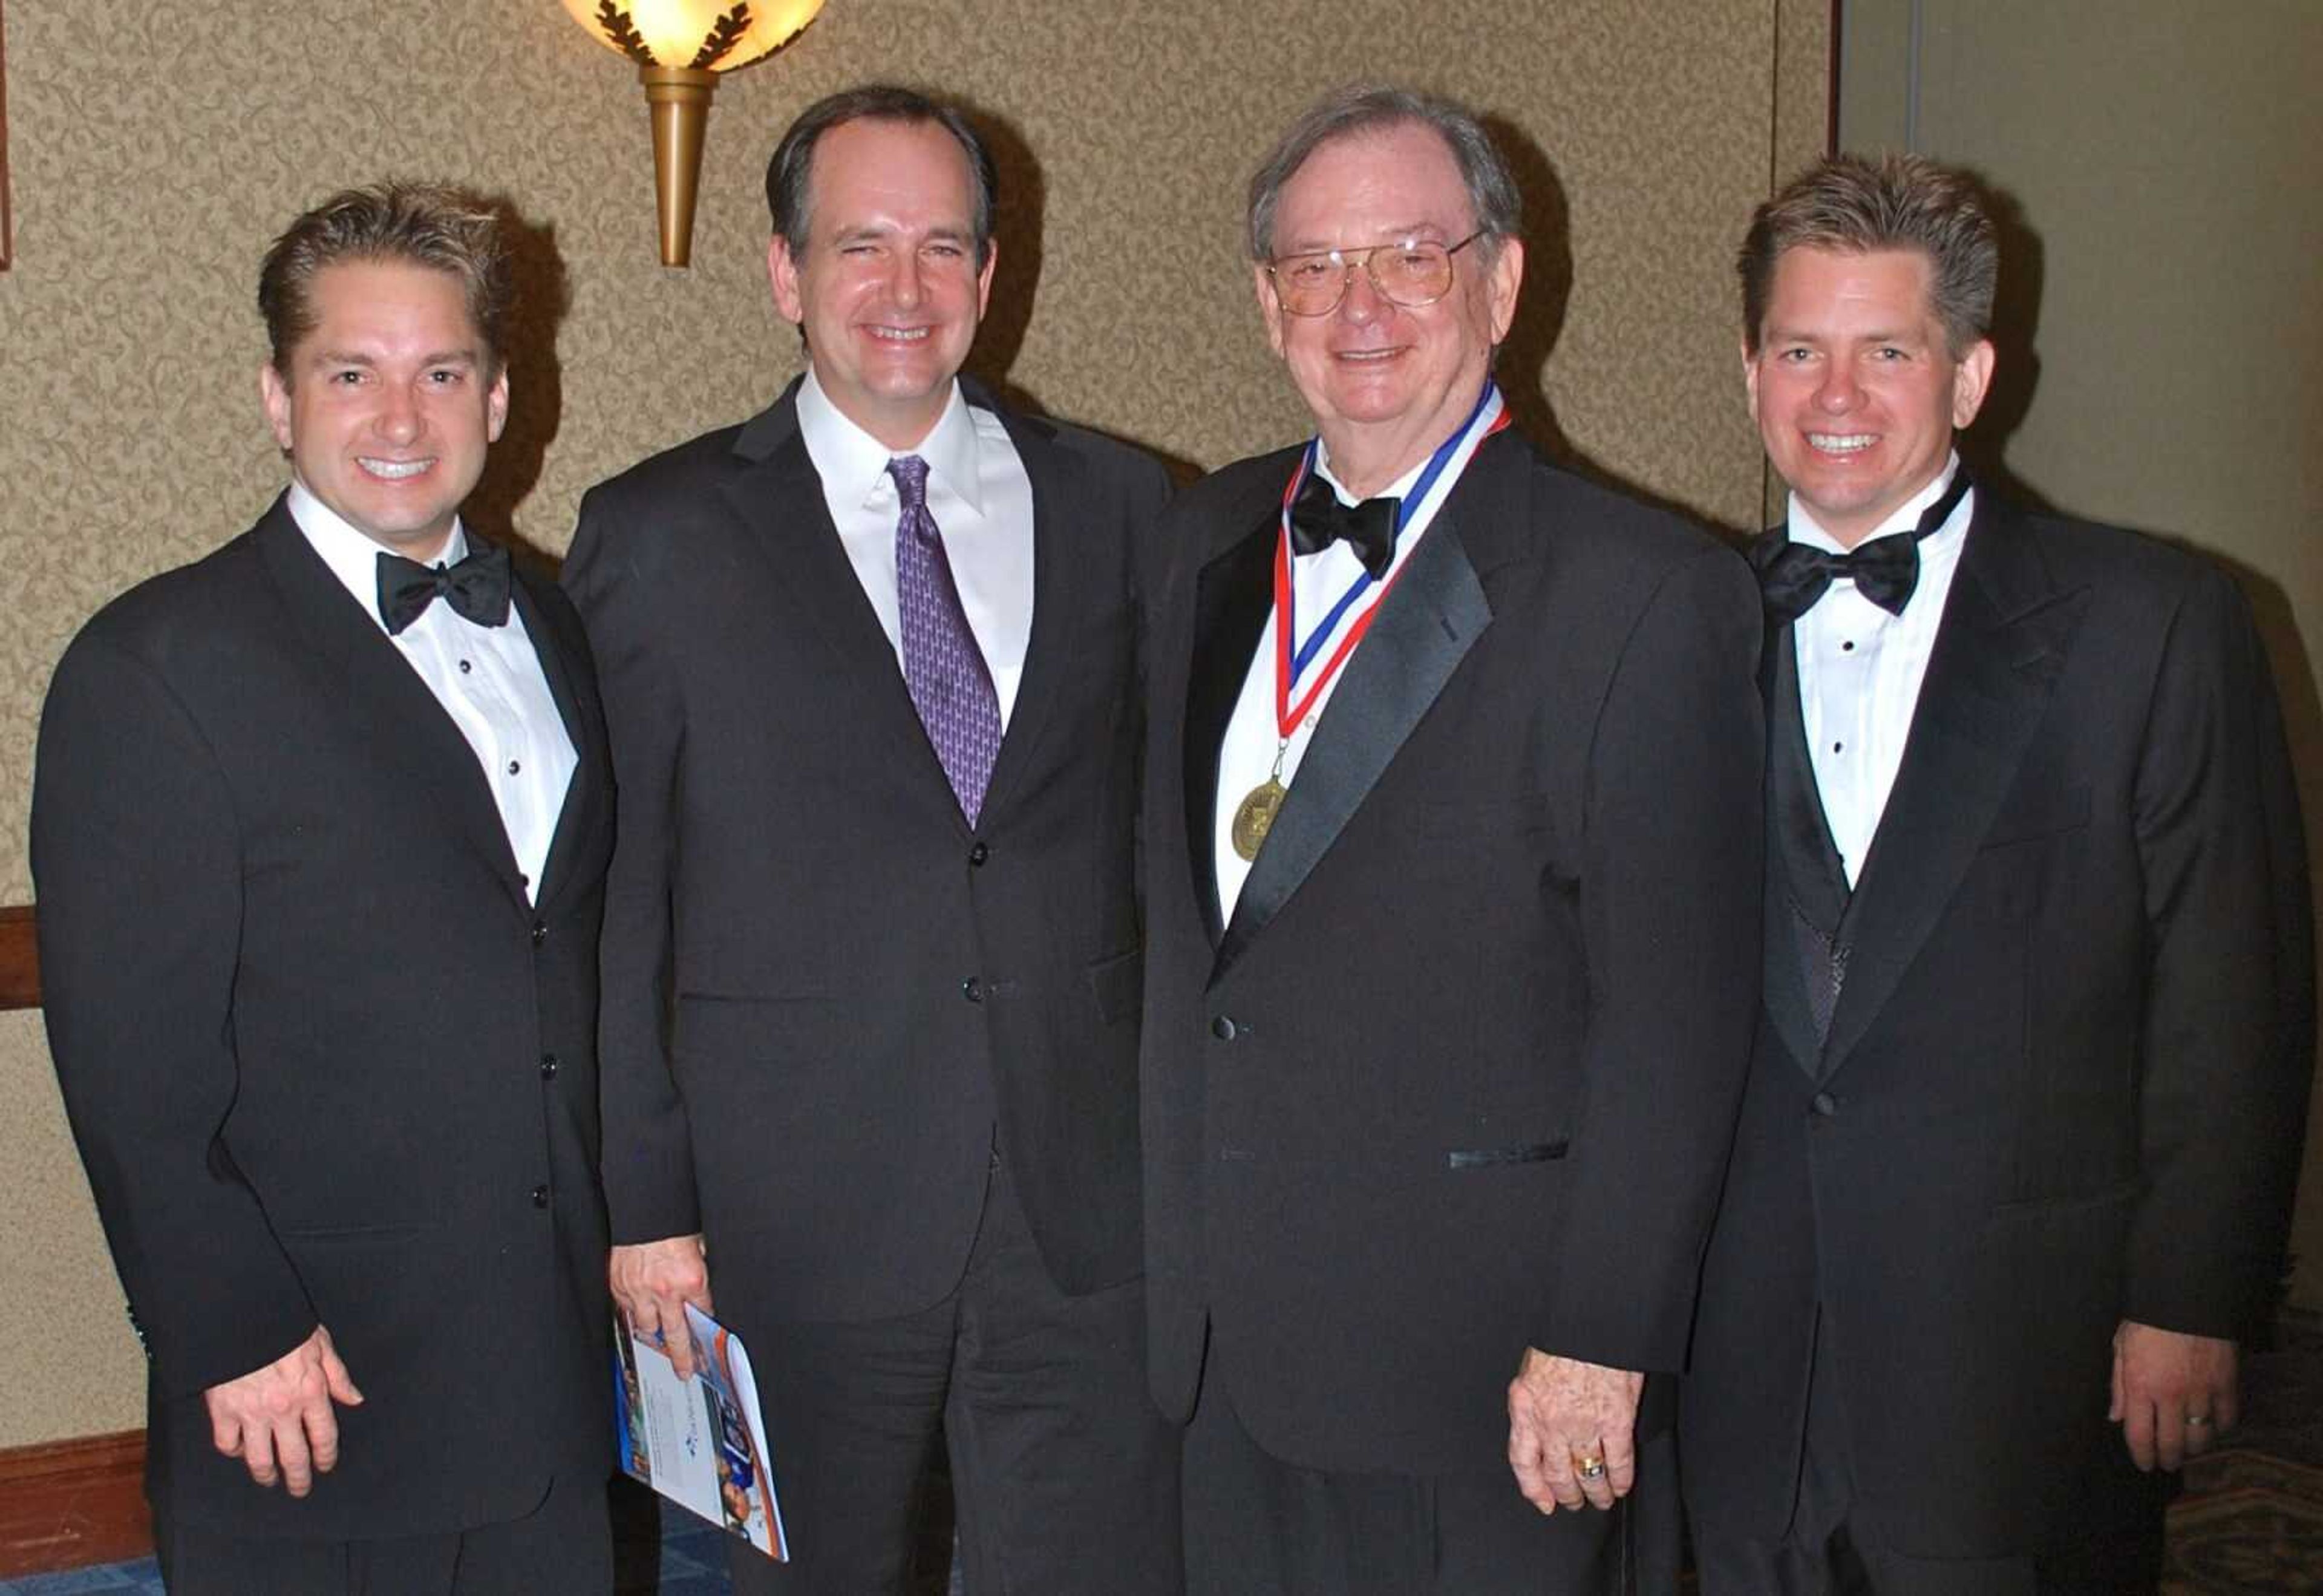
(1833, 1551)
(1064, 1475)
(564, 1547)
(1256, 1526)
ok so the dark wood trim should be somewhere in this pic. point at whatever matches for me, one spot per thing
(68, 1504)
(20, 959)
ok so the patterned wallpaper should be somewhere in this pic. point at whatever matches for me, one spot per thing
(157, 151)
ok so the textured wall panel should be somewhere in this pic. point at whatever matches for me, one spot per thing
(154, 160)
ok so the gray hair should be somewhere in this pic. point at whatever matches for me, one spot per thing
(1372, 107)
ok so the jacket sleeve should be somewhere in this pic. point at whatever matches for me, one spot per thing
(1671, 883)
(2226, 1049)
(648, 1165)
(137, 859)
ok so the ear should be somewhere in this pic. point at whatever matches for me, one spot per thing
(496, 407)
(1750, 377)
(276, 394)
(1507, 277)
(1269, 307)
(1971, 380)
(984, 277)
(783, 272)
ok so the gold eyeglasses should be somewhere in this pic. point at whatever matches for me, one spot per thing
(1415, 273)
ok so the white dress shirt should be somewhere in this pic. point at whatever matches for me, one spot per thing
(982, 502)
(488, 679)
(1246, 752)
(1860, 669)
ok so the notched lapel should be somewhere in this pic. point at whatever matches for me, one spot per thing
(778, 498)
(1060, 495)
(2001, 647)
(1429, 619)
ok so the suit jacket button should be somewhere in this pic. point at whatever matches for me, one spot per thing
(540, 1196)
(972, 989)
(1824, 1104)
(1224, 1029)
(539, 932)
(549, 1065)
(979, 854)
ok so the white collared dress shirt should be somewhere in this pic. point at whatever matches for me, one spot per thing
(1860, 669)
(982, 502)
(488, 679)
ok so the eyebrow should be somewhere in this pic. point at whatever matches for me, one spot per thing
(882, 230)
(445, 357)
(1412, 232)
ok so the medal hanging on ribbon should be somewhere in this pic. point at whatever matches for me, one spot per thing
(1254, 816)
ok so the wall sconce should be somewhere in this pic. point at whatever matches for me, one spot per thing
(709, 37)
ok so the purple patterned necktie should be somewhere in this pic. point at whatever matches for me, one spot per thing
(942, 667)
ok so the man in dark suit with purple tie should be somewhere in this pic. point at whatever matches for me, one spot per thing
(872, 957)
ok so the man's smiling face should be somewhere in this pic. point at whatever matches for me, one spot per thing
(1855, 388)
(391, 402)
(887, 286)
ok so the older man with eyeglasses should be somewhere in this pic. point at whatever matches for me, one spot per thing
(1452, 904)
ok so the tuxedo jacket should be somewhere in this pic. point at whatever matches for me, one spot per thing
(1457, 1075)
(2063, 1082)
(324, 1061)
(823, 989)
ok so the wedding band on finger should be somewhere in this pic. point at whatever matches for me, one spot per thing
(1591, 1467)
(2195, 1421)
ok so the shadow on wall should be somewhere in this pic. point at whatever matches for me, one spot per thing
(1541, 308)
(535, 381)
(2017, 379)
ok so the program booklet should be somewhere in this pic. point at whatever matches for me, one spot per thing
(702, 1442)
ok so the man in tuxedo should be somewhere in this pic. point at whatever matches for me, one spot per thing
(872, 960)
(320, 828)
(1451, 892)
(2017, 1149)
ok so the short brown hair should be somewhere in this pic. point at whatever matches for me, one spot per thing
(1854, 204)
(790, 194)
(428, 224)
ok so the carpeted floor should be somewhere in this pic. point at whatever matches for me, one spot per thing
(2250, 1523)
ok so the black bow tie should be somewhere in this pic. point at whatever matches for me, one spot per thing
(1791, 576)
(1318, 520)
(477, 588)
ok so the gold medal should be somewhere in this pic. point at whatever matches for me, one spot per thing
(1256, 817)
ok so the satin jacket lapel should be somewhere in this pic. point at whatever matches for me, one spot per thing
(390, 708)
(1231, 595)
(585, 796)
(1061, 498)
(1431, 617)
(1998, 654)
(778, 497)
(1802, 863)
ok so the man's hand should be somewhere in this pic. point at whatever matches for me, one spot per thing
(279, 1420)
(1564, 1415)
(2173, 1394)
(652, 1283)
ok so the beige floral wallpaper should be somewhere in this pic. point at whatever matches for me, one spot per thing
(157, 150)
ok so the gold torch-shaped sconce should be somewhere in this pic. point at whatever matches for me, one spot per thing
(708, 37)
